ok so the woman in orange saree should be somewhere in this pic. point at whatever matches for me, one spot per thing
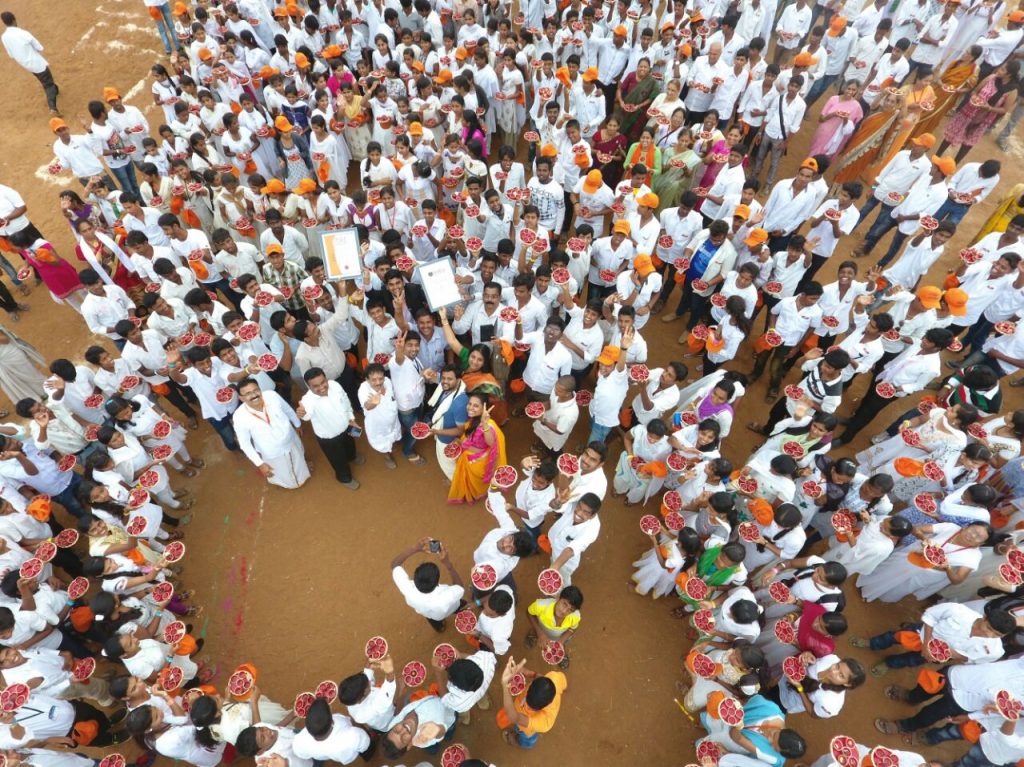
(959, 77)
(870, 139)
(915, 100)
(483, 451)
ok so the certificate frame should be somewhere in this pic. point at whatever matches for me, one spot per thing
(340, 249)
(437, 278)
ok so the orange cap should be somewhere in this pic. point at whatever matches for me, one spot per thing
(956, 300)
(756, 237)
(811, 163)
(282, 124)
(110, 94)
(741, 211)
(593, 181)
(1016, 17)
(649, 200)
(305, 186)
(333, 52)
(927, 140)
(56, 124)
(267, 72)
(416, 129)
(946, 164)
(609, 355)
(461, 53)
(301, 61)
(205, 54)
(621, 226)
(642, 265)
(836, 26)
(281, 12)
(804, 59)
(620, 30)
(274, 186)
(444, 76)
(180, 9)
(549, 150)
(930, 296)
(274, 247)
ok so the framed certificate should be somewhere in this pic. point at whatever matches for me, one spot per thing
(340, 248)
(438, 280)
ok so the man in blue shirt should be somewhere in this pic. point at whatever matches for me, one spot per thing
(447, 414)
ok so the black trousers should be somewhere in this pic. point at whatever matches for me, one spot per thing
(45, 79)
(7, 301)
(340, 452)
(869, 407)
(179, 397)
(934, 712)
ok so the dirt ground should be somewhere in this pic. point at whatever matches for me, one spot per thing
(295, 582)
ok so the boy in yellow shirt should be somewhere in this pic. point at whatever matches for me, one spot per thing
(534, 710)
(555, 619)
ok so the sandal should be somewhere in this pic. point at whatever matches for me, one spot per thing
(879, 669)
(195, 612)
(896, 693)
(193, 424)
(755, 427)
(509, 737)
(860, 642)
(198, 463)
(186, 595)
(188, 471)
(531, 638)
(680, 613)
(887, 727)
(771, 396)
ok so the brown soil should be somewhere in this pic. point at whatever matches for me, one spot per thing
(295, 582)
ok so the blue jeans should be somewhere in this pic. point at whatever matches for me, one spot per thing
(10, 270)
(952, 211)
(820, 86)
(165, 26)
(598, 433)
(406, 418)
(903, 660)
(225, 431)
(977, 334)
(68, 498)
(974, 757)
(125, 176)
(869, 206)
(878, 230)
(525, 741)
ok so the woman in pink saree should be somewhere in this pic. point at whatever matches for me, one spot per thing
(717, 155)
(483, 451)
(837, 122)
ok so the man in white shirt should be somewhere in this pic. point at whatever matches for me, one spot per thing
(971, 636)
(78, 154)
(935, 35)
(908, 373)
(838, 43)
(328, 737)
(424, 592)
(971, 184)
(785, 112)
(795, 319)
(14, 219)
(22, 46)
(407, 376)
(1000, 44)
(704, 78)
(103, 306)
(924, 198)
(327, 408)
(898, 175)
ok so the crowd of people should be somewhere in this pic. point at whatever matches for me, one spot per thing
(598, 174)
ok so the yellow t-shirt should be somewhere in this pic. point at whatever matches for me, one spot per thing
(544, 611)
(543, 720)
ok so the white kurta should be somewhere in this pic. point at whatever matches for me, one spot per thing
(382, 427)
(270, 437)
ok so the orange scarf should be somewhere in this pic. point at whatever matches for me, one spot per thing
(647, 158)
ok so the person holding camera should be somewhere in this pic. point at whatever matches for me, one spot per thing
(424, 592)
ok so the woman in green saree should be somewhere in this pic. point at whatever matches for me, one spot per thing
(719, 567)
(677, 174)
